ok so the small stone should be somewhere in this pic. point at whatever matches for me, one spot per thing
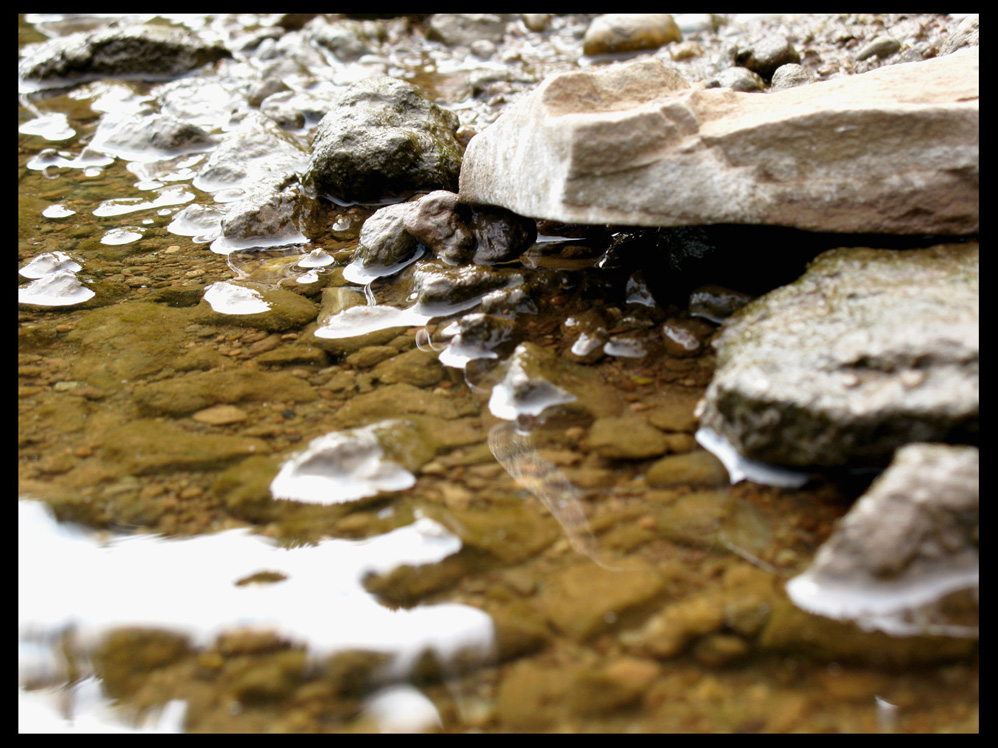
(219, 415)
(881, 46)
(629, 32)
(626, 438)
(699, 468)
(765, 56)
(790, 75)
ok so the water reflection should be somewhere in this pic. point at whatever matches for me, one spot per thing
(74, 580)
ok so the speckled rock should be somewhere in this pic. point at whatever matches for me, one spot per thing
(869, 350)
(790, 75)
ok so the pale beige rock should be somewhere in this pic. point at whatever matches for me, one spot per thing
(895, 150)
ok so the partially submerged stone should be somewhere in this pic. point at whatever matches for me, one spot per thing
(869, 350)
(905, 559)
(146, 51)
(894, 150)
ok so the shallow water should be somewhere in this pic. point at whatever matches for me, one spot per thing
(495, 567)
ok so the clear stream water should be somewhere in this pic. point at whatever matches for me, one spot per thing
(269, 560)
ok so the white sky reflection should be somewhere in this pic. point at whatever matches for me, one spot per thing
(69, 577)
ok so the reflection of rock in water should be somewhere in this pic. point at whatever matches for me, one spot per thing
(512, 449)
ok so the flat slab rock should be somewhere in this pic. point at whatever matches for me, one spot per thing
(869, 350)
(894, 150)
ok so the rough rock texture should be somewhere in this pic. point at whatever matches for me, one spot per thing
(909, 543)
(869, 350)
(136, 51)
(894, 150)
(383, 138)
(456, 233)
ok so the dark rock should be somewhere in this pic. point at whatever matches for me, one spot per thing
(384, 138)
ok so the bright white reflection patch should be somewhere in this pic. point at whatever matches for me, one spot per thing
(51, 126)
(73, 578)
(317, 258)
(742, 468)
(55, 289)
(57, 211)
(48, 263)
(123, 235)
(339, 467)
(171, 195)
(228, 298)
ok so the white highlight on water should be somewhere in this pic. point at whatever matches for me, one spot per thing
(228, 298)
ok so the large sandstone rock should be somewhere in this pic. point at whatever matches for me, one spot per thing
(894, 150)
(905, 559)
(869, 350)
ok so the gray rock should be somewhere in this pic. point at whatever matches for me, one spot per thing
(738, 79)
(790, 75)
(383, 138)
(384, 242)
(767, 55)
(255, 149)
(465, 28)
(967, 34)
(905, 559)
(895, 150)
(869, 350)
(148, 137)
(136, 51)
(348, 40)
(629, 32)
(881, 46)
(435, 221)
(275, 211)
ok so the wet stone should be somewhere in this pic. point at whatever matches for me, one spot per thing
(147, 50)
(408, 143)
(837, 367)
(220, 415)
(698, 468)
(584, 600)
(146, 446)
(200, 390)
(627, 437)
